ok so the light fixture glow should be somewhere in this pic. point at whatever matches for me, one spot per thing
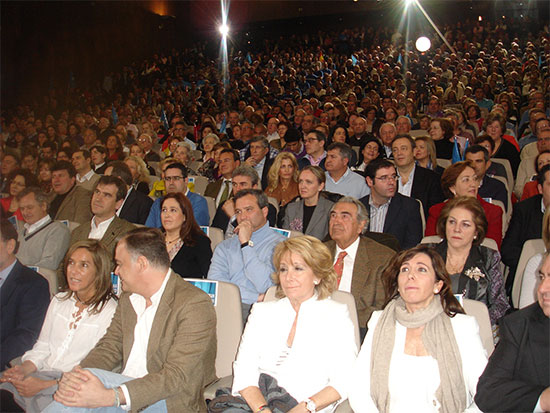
(423, 44)
(224, 29)
(409, 2)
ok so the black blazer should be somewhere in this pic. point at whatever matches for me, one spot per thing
(519, 368)
(493, 188)
(526, 224)
(193, 262)
(136, 208)
(24, 300)
(426, 187)
(403, 220)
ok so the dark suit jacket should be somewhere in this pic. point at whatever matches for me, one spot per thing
(181, 351)
(136, 208)
(519, 368)
(366, 284)
(493, 188)
(426, 187)
(76, 206)
(526, 224)
(403, 220)
(193, 262)
(24, 300)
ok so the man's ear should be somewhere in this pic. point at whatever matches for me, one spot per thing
(370, 182)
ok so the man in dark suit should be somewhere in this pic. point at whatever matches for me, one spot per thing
(517, 376)
(526, 224)
(136, 206)
(415, 181)
(165, 353)
(389, 211)
(24, 299)
(259, 156)
(358, 261)
(490, 187)
(220, 190)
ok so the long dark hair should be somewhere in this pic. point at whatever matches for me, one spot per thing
(450, 304)
(190, 230)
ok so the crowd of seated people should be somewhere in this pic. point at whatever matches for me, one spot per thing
(356, 150)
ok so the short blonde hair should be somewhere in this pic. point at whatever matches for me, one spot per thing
(144, 175)
(316, 256)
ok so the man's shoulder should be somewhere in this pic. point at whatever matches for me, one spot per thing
(122, 224)
(79, 191)
(424, 173)
(185, 291)
(405, 201)
(369, 245)
(529, 203)
(24, 276)
(194, 197)
(522, 318)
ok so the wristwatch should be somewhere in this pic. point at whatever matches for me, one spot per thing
(249, 243)
(311, 406)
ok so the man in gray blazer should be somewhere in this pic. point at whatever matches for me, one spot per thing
(162, 339)
(42, 242)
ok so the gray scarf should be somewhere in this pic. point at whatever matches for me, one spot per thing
(438, 339)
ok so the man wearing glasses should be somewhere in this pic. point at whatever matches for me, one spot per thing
(389, 211)
(175, 178)
(315, 148)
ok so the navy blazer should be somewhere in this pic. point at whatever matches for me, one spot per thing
(24, 300)
(403, 220)
(426, 187)
(518, 370)
(136, 208)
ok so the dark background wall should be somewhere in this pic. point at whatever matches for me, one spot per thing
(43, 43)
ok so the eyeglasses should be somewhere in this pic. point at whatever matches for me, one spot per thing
(173, 178)
(385, 178)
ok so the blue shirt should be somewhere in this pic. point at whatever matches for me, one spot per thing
(200, 210)
(350, 184)
(249, 268)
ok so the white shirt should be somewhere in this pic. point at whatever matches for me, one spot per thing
(136, 366)
(97, 231)
(349, 260)
(86, 177)
(60, 347)
(407, 188)
(30, 228)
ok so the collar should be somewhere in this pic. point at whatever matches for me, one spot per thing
(85, 177)
(30, 228)
(317, 160)
(342, 177)
(371, 202)
(260, 232)
(102, 225)
(351, 250)
(99, 166)
(138, 301)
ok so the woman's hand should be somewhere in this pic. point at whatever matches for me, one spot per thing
(30, 386)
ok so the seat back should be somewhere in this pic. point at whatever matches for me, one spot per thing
(229, 324)
(273, 202)
(200, 184)
(215, 235)
(51, 276)
(479, 310)
(422, 215)
(504, 216)
(444, 163)
(211, 202)
(530, 248)
(507, 167)
(339, 296)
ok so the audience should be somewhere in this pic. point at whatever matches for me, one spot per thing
(186, 243)
(421, 352)
(76, 319)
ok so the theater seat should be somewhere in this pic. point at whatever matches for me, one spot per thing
(479, 310)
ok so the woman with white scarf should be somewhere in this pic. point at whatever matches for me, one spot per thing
(421, 353)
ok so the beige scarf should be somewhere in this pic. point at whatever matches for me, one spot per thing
(438, 339)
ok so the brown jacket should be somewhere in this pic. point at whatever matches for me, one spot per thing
(76, 206)
(180, 355)
(366, 284)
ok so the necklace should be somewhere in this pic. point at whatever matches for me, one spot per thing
(174, 240)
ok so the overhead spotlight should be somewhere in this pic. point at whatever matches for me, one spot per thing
(224, 29)
(423, 44)
(409, 2)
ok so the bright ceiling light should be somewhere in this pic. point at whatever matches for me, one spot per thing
(423, 44)
(224, 29)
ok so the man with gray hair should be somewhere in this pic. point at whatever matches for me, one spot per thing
(42, 242)
(246, 259)
(358, 261)
(259, 155)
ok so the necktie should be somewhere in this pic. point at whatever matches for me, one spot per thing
(339, 265)
(225, 193)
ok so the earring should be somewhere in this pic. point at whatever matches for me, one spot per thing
(436, 292)
(316, 282)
